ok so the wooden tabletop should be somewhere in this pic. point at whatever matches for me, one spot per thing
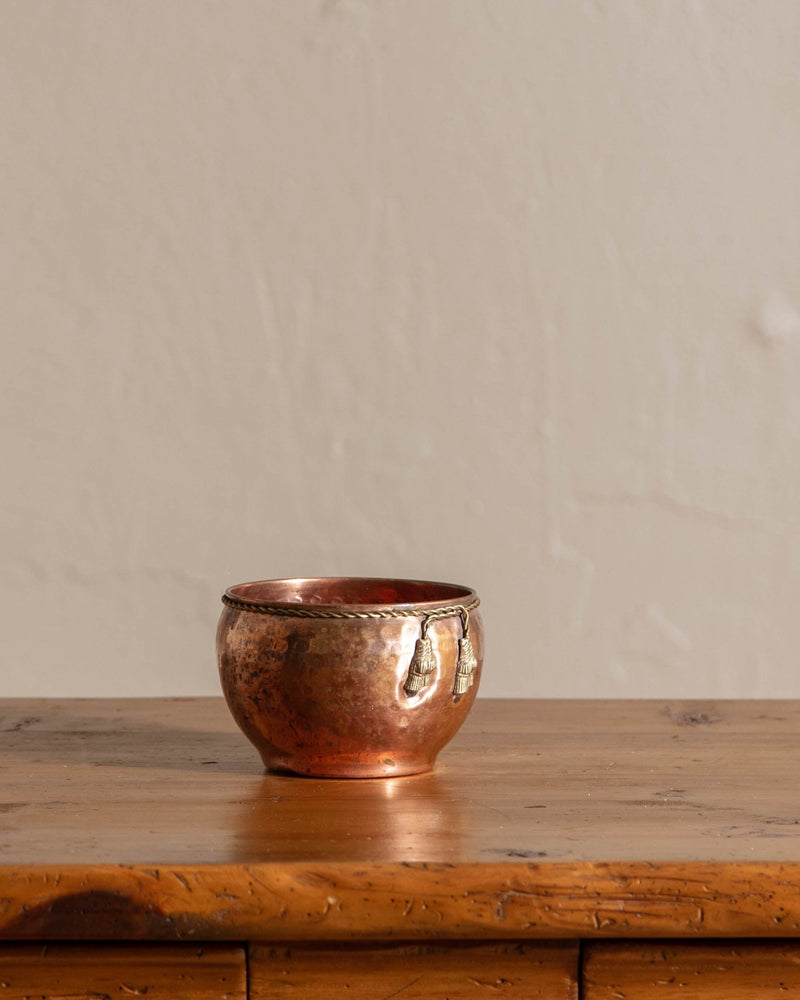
(542, 818)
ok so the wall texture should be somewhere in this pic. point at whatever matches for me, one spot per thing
(505, 293)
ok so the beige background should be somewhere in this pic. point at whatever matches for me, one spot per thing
(504, 293)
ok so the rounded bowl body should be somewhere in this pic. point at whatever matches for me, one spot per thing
(326, 694)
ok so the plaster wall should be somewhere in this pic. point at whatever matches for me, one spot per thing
(504, 293)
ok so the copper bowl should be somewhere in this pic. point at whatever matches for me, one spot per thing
(349, 677)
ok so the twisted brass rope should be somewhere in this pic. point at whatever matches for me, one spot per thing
(290, 612)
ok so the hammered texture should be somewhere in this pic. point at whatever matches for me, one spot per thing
(326, 697)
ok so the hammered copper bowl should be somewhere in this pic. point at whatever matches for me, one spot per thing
(329, 694)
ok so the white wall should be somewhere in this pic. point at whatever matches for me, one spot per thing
(503, 293)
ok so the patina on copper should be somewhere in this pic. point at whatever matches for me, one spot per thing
(347, 676)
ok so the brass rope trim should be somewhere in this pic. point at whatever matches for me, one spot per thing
(282, 611)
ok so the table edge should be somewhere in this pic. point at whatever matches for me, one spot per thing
(400, 901)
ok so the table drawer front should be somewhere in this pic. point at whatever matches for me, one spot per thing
(419, 972)
(709, 970)
(123, 972)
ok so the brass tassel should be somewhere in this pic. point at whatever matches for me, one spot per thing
(467, 661)
(422, 665)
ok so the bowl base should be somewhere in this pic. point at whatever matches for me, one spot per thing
(386, 768)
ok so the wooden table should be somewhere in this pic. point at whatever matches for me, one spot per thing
(634, 849)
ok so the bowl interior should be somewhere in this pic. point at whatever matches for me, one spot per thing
(351, 591)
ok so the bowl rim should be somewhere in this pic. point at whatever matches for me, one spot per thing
(461, 595)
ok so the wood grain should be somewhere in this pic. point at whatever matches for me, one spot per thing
(172, 781)
(419, 972)
(317, 902)
(152, 820)
(706, 970)
(103, 972)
